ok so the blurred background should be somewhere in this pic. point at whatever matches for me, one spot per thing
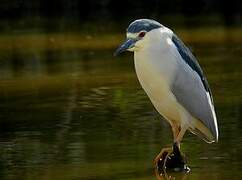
(70, 110)
(57, 15)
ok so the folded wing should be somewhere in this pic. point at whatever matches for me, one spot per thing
(191, 88)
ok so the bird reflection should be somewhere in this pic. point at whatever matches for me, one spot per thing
(170, 175)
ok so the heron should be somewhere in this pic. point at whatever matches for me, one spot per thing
(174, 82)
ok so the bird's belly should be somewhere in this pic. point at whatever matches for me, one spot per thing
(156, 86)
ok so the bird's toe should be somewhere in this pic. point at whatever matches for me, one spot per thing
(160, 160)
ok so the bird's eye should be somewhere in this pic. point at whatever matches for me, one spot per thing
(142, 34)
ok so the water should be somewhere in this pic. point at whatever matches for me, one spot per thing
(70, 111)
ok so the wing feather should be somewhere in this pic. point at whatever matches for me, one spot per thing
(191, 88)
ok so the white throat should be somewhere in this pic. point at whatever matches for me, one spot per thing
(152, 57)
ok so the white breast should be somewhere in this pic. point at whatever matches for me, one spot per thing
(155, 69)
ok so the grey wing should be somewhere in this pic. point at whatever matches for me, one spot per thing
(191, 88)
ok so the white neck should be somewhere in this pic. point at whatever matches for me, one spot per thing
(152, 54)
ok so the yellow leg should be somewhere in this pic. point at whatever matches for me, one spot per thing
(180, 134)
(175, 129)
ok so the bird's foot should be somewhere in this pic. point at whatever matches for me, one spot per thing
(159, 161)
(171, 159)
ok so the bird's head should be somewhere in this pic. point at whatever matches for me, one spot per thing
(137, 33)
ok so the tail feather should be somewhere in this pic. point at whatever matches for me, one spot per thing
(203, 132)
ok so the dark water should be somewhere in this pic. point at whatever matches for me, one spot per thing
(81, 114)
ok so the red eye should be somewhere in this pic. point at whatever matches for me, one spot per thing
(142, 34)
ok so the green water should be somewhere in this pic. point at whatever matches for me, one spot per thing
(74, 112)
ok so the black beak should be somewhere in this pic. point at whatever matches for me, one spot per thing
(126, 45)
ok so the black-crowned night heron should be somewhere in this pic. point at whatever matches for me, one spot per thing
(174, 82)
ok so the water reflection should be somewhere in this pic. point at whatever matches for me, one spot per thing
(67, 113)
(171, 175)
